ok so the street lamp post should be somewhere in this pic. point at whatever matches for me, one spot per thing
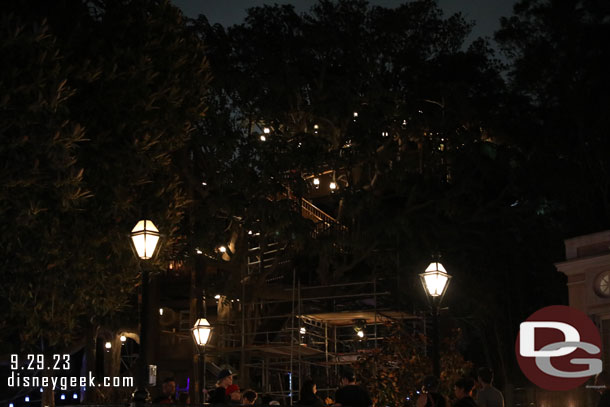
(202, 331)
(144, 238)
(435, 281)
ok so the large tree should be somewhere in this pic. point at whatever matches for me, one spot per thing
(427, 164)
(100, 101)
(556, 118)
(442, 155)
(559, 56)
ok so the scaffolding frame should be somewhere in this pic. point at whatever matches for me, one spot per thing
(309, 340)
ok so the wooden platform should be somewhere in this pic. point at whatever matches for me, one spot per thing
(347, 318)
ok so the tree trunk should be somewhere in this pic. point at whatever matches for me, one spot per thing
(48, 395)
(90, 358)
(112, 363)
(500, 344)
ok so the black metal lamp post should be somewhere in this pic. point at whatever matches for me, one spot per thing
(435, 281)
(144, 238)
(202, 331)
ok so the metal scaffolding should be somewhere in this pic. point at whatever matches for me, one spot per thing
(310, 333)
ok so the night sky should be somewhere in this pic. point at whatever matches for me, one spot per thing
(486, 13)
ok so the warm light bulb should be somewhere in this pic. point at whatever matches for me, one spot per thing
(360, 334)
(266, 130)
(217, 296)
(160, 311)
(333, 185)
(123, 338)
(435, 279)
(222, 249)
(201, 331)
(303, 330)
(108, 345)
(263, 138)
(316, 181)
(145, 237)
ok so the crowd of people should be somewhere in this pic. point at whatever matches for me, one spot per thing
(227, 393)
(351, 394)
(467, 391)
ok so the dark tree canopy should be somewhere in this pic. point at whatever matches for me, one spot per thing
(431, 148)
(559, 77)
(99, 101)
(434, 161)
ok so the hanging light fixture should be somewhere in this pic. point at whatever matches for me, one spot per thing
(359, 326)
(145, 238)
(201, 331)
(435, 279)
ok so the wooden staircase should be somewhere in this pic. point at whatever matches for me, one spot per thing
(323, 221)
(264, 257)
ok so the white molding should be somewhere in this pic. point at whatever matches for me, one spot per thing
(579, 265)
(573, 244)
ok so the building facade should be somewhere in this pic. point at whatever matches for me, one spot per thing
(587, 268)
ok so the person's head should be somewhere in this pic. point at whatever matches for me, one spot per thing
(233, 393)
(249, 397)
(485, 375)
(169, 386)
(347, 377)
(225, 378)
(603, 379)
(463, 387)
(430, 384)
(308, 388)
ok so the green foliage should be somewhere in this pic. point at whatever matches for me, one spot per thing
(560, 85)
(98, 107)
(556, 119)
(395, 370)
(303, 76)
(42, 186)
(433, 161)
